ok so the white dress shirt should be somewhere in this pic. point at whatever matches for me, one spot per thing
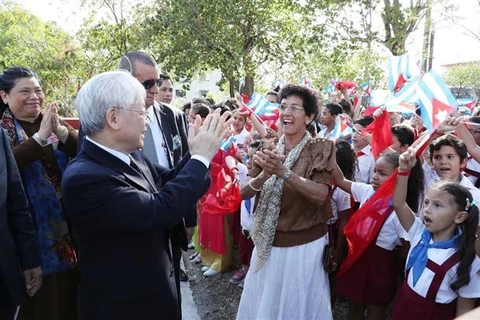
(161, 149)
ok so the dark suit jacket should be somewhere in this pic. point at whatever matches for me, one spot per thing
(120, 222)
(18, 249)
(174, 126)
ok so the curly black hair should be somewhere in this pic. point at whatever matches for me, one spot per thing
(311, 99)
(346, 159)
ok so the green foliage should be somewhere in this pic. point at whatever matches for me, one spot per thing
(235, 36)
(44, 47)
(466, 75)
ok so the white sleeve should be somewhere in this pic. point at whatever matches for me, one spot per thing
(415, 232)
(472, 289)
(342, 199)
(361, 191)
(242, 172)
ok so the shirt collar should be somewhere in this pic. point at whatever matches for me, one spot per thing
(115, 153)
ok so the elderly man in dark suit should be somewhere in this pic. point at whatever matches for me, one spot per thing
(17, 238)
(122, 206)
(165, 143)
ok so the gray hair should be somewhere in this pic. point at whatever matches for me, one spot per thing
(112, 89)
(128, 61)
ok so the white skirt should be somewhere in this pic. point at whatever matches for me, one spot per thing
(292, 284)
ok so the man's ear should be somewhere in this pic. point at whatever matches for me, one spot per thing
(112, 118)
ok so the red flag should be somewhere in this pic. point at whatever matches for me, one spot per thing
(381, 134)
(400, 82)
(365, 224)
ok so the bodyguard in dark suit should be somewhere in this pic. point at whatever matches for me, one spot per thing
(122, 206)
(17, 239)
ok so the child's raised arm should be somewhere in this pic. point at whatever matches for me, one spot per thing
(405, 215)
(340, 181)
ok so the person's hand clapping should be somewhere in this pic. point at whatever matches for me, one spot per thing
(204, 140)
(407, 160)
(46, 126)
(58, 129)
(270, 161)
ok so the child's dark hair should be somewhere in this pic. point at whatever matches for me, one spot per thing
(334, 108)
(346, 159)
(365, 121)
(404, 134)
(186, 106)
(232, 104)
(451, 141)
(201, 109)
(346, 106)
(468, 229)
(415, 181)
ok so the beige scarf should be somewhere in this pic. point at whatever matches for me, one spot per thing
(265, 217)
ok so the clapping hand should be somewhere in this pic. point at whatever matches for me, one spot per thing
(46, 126)
(270, 161)
(60, 131)
(205, 140)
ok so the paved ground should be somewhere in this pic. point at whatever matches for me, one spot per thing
(189, 308)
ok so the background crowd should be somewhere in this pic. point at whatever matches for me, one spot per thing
(96, 219)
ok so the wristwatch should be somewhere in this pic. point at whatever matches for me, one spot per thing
(287, 174)
(39, 140)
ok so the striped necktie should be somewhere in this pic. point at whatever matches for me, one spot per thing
(149, 146)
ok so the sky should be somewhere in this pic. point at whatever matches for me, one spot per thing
(451, 43)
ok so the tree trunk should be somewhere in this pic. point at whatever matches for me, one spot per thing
(248, 87)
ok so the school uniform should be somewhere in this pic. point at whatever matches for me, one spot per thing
(431, 297)
(325, 134)
(366, 164)
(245, 243)
(340, 201)
(372, 279)
(472, 171)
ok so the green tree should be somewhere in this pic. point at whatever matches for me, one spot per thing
(27, 41)
(112, 28)
(354, 22)
(234, 36)
(466, 75)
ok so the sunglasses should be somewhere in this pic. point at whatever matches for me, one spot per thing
(147, 84)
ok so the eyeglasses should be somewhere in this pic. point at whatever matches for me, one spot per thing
(142, 113)
(147, 84)
(293, 108)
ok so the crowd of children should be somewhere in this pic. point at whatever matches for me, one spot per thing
(423, 257)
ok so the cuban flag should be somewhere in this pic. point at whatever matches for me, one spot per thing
(436, 100)
(467, 103)
(260, 105)
(343, 127)
(401, 69)
(405, 100)
(366, 88)
(306, 81)
(226, 143)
